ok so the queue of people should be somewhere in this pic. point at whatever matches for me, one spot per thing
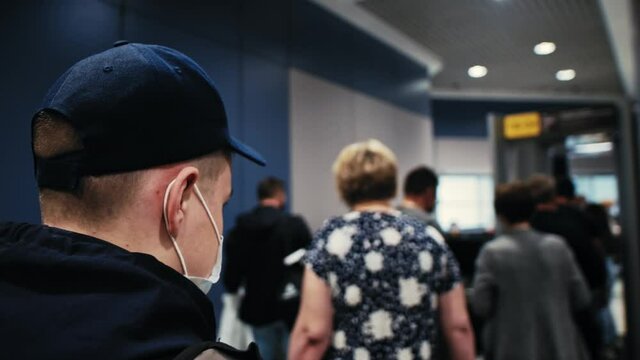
(133, 240)
(380, 282)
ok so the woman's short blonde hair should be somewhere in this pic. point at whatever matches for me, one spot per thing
(366, 171)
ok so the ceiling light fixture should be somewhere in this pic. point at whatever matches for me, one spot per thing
(477, 71)
(566, 75)
(544, 48)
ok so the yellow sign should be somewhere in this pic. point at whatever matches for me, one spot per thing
(522, 126)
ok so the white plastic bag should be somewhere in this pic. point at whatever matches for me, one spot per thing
(232, 330)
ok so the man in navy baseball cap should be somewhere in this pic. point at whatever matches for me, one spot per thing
(132, 157)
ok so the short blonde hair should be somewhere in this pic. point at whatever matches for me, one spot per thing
(366, 171)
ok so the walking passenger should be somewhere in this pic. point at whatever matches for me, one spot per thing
(557, 213)
(420, 197)
(376, 285)
(527, 287)
(257, 247)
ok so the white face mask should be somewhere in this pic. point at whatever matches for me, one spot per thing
(203, 283)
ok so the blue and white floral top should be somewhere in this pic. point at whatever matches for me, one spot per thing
(386, 273)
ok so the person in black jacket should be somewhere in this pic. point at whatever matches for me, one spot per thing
(133, 165)
(256, 250)
(556, 213)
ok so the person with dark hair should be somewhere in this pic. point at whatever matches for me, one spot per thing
(377, 285)
(565, 188)
(272, 188)
(133, 165)
(420, 196)
(566, 195)
(527, 287)
(556, 215)
(257, 246)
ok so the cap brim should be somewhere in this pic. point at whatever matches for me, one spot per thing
(246, 151)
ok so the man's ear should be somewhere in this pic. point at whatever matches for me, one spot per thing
(430, 194)
(180, 192)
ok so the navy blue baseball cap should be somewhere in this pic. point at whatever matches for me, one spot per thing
(135, 106)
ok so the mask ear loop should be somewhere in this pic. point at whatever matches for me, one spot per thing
(166, 224)
(206, 208)
(215, 272)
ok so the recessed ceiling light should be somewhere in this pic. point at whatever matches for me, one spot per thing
(544, 48)
(477, 71)
(566, 75)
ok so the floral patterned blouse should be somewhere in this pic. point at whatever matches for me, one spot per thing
(385, 272)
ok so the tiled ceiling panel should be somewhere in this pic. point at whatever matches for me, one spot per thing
(501, 34)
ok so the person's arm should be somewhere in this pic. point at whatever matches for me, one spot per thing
(483, 295)
(579, 292)
(311, 335)
(303, 238)
(456, 325)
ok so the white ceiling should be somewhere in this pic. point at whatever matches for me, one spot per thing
(501, 34)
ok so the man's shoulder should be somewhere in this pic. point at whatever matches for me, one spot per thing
(553, 242)
(500, 244)
(11, 231)
(420, 232)
(39, 235)
(416, 213)
(294, 219)
(76, 267)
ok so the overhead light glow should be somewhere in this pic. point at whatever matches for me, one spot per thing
(566, 75)
(544, 48)
(593, 148)
(477, 71)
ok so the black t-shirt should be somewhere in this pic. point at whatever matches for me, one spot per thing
(579, 233)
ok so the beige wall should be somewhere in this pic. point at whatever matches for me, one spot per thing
(463, 156)
(325, 117)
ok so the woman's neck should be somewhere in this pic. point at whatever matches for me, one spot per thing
(375, 205)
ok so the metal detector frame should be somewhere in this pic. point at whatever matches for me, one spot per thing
(628, 165)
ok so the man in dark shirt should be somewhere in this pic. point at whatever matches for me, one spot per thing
(561, 217)
(133, 164)
(256, 250)
(420, 197)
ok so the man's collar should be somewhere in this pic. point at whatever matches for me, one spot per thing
(410, 204)
(274, 203)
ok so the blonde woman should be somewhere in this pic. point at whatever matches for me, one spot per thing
(376, 285)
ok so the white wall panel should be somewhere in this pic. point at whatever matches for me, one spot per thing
(325, 117)
(463, 156)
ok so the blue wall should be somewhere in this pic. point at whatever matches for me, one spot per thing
(245, 46)
(328, 47)
(468, 118)
(47, 37)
